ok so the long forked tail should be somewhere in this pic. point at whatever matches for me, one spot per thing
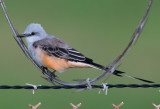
(116, 72)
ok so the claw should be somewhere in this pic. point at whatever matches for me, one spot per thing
(51, 74)
(44, 69)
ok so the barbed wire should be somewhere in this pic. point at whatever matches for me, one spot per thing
(83, 86)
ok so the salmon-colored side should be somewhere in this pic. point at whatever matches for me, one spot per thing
(58, 64)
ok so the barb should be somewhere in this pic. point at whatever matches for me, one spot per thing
(105, 88)
(89, 87)
(84, 86)
(34, 87)
(34, 107)
(111, 66)
(117, 107)
(76, 106)
(156, 106)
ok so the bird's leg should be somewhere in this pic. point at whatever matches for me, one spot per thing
(44, 69)
(49, 73)
(52, 74)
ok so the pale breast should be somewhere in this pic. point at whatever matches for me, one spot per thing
(34, 53)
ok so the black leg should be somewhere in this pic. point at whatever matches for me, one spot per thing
(48, 73)
(44, 68)
(52, 74)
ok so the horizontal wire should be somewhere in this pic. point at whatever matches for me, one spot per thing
(83, 86)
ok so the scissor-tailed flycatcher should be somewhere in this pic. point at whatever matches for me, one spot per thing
(52, 52)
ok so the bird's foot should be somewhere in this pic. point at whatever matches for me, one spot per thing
(48, 73)
(52, 74)
(44, 69)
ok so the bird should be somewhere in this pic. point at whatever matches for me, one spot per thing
(51, 52)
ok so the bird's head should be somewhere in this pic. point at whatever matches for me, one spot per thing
(33, 33)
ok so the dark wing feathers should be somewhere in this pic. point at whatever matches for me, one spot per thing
(57, 52)
(58, 48)
(74, 55)
(69, 54)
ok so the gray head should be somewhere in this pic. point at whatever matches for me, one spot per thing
(33, 33)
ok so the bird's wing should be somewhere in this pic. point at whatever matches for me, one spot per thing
(58, 48)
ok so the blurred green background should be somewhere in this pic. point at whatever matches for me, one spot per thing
(100, 29)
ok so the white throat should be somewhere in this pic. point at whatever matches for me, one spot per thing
(38, 30)
(32, 39)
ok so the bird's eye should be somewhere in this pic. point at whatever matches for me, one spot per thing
(33, 33)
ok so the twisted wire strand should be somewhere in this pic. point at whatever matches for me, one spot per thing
(83, 86)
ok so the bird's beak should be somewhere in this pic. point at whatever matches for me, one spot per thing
(23, 35)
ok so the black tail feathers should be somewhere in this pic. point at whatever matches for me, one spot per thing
(117, 72)
(147, 81)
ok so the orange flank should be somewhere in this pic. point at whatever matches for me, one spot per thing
(58, 64)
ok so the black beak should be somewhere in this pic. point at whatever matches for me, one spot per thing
(23, 35)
